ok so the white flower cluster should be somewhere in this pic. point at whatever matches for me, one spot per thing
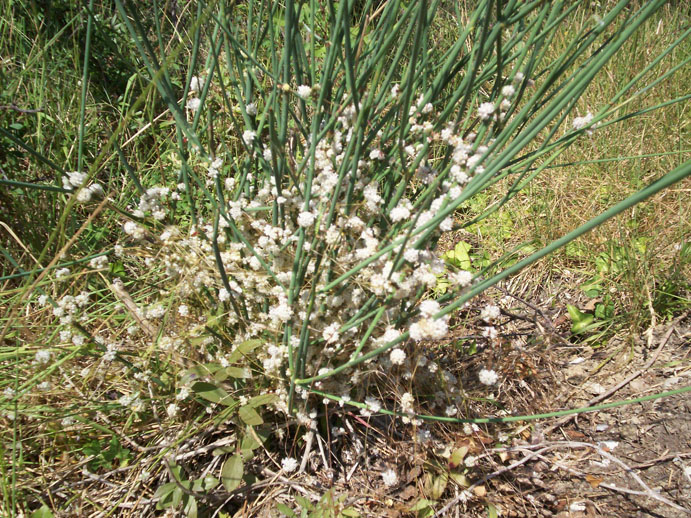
(152, 202)
(581, 122)
(193, 102)
(488, 377)
(294, 244)
(68, 307)
(74, 180)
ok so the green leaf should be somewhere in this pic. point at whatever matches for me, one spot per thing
(263, 399)
(212, 393)
(250, 416)
(249, 443)
(459, 256)
(491, 511)
(580, 321)
(421, 504)
(303, 502)
(283, 508)
(443, 285)
(191, 508)
(244, 349)
(457, 457)
(43, 512)
(439, 485)
(350, 512)
(238, 372)
(232, 471)
(177, 496)
(593, 288)
(164, 494)
(460, 479)
(117, 269)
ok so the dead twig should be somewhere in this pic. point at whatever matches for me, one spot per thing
(539, 453)
(647, 491)
(16, 108)
(626, 381)
(538, 311)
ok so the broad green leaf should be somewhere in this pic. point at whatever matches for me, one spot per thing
(439, 485)
(250, 416)
(42, 512)
(212, 393)
(460, 479)
(422, 504)
(491, 511)
(457, 457)
(303, 502)
(177, 496)
(232, 471)
(164, 494)
(580, 321)
(263, 399)
(286, 510)
(244, 349)
(238, 372)
(459, 256)
(191, 508)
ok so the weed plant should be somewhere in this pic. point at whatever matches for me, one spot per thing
(244, 230)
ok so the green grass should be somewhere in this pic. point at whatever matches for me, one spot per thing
(126, 132)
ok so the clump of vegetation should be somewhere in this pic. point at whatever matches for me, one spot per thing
(251, 242)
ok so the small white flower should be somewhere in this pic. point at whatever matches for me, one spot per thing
(373, 404)
(251, 109)
(183, 310)
(490, 313)
(581, 122)
(305, 219)
(134, 230)
(485, 110)
(96, 190)
(183, 394)
(196, 83)
(399, 214)
(488, 377)
(429, 307)
(289, 464)
(377, 154)
(99, 262)
(193, 104)
(304, 92)
(267, 154)
(62, 272)
(75, 179)
(389, 477)
(248, 137)
(330, 334)
(508, 91)
(172, 410)
(43, 356)
(84, 196)
(397, 356)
